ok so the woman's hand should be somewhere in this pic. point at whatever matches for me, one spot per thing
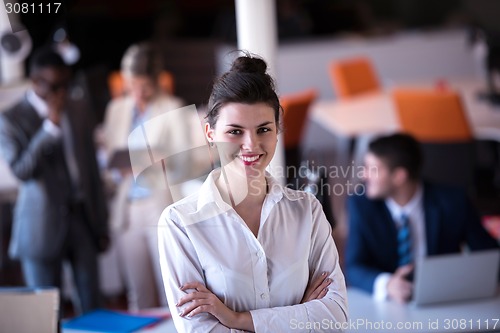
(203, 300)
(317, 288)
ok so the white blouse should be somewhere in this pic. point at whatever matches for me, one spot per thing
(202, 238)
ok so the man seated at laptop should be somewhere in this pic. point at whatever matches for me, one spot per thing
(400, 218)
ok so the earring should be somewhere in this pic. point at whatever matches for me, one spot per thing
(211, 144)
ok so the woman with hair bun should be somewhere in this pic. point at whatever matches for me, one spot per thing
(245, 253)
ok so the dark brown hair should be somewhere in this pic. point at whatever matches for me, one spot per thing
(46, 57)
(247, 82)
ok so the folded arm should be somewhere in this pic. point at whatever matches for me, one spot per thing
(179, 266)
(330, 311)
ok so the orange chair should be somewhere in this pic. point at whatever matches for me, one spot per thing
(117, 86)
(437, 120)
(296, 107)
(295, 110)
(432, 116)
(353, 76)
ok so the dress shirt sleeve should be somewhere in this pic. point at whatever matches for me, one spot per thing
(323, 315)
(24, 162)
(180, 264)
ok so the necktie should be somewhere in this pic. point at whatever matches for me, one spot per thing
(404, 241)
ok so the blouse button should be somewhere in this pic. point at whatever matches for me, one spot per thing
(263, 296)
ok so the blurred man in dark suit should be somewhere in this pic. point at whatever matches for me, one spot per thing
(60, 213)
(401, 217)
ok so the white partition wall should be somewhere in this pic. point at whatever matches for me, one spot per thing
(397, 58)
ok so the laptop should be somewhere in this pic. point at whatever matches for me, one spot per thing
(456, 277)
(29, 309)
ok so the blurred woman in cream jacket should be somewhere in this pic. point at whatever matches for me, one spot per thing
(152, 125)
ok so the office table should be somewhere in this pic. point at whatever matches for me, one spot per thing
(375, 113)
(356, 120)
(368, 315)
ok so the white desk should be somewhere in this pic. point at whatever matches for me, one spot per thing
(467, 316)
(367, 315)
(166, 326)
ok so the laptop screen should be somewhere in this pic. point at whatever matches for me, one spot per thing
(454, 277)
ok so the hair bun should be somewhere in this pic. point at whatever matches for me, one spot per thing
(247, 64)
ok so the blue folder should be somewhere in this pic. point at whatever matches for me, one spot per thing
(110, 321)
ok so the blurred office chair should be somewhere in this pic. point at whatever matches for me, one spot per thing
(116, 84)
(295, 111)
(296, 108)
(437, 120)
(353, 76)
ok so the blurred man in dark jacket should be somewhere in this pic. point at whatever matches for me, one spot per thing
(401, 218)
(60, 213)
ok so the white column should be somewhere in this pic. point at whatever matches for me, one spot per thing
(257, 33)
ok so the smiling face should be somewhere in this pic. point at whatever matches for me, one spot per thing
(245, 134)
